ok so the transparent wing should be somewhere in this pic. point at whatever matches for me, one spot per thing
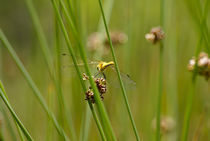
(68, 69)
(112, 79)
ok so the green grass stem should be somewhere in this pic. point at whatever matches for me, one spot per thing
(76, 64)
(102, 113)
(32, 84)
(118, 73)
(5, 114)
(40, 33)
(160, 91)
(85, 126)
(160, 82)
(8, 122)
(203, 28)
(15, 117)
(48, 58)
(188, 110)
(190, 98)
(98, 54)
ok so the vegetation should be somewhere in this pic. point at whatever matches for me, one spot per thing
(105, 70)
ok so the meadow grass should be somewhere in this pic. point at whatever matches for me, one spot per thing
(17, 120)
(158, 93)
(118, 73)
(79, 72)
(48, 58)
(32, 85)
(160, 82)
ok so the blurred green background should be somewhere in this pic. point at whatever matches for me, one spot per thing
(137, 57)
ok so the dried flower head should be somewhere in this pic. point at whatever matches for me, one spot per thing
(202, 65)
(203, 59)
(95, 41)
(101, 85)
(156, 34)
(167, 125)
(118, 38)
(89, 95)
(191, 64)
(85, 77)
(99, 40)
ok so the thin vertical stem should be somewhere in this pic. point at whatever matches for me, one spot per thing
(160, 89)
(118, 73)
(99, 104)
(188, 111)
(190, 98)
(40, 33)
(8, 122)
(160, 82)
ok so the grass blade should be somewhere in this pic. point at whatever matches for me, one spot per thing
(85, 126)
(7, 121)
(108, 10)
(40, 33)
(48, 58)
(102, 113)
(76, 64)
(15, 117)
(32, 85)
(118, 74)
(161, 61)
(188, 110)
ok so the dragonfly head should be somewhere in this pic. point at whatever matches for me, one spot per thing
(103, 65)
(100, 66)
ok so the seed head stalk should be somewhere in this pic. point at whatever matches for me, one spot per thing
(160, 89)
(190, 98)
(160, 82)
(73, 56)
(118, 73)
(108, 11)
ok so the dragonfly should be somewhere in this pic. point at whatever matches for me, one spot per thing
(103, 67)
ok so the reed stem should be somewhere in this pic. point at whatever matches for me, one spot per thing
(31, 83)
(98, 100)
(118, 73)
(15, 117)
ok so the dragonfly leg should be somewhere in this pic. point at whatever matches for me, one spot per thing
(96, 74)
(104, 75)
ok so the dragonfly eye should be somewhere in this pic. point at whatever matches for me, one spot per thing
(98, 68)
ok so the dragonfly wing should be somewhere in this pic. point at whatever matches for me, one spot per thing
(125, 77)
(112, 79)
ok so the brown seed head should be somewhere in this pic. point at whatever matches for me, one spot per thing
(85, 77)
(89, 95)
(203, 65)
(167, 125)
(191, 64)
(118, 38)
(101, 85)
(95, 41)
(156, 34)
(203, 59)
